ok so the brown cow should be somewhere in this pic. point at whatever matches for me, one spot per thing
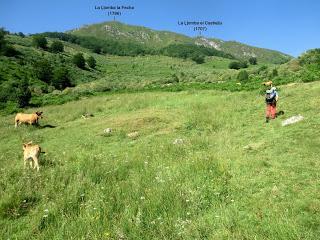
(32, 118)
(31, 152)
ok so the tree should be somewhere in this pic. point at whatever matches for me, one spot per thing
(253, 61)
(5, 48)
(61, 78)
(274, 72)
(21, 34)
(97, 49)
(91, 62)
(40, 42)
(56, 47)
(23, 93)
(43, 70)
(243, 75)
(9, 51)
(3, 42)
(79, 60)
(199, 59)
(234, 65)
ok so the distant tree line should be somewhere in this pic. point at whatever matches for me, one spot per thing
(194, 52)
(107, 46)
(124, 48)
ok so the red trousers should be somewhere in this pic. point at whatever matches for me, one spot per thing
(271, 111)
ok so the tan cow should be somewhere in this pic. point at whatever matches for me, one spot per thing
(32, 118)
(267, 84)
(31, 152)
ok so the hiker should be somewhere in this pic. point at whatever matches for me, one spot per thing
(271, 102)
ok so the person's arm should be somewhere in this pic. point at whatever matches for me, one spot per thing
(277, 96)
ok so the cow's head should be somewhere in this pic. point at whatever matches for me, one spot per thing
(39, 114)
(25, 145)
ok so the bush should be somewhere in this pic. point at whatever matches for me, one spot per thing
(262, 68)
(91, 62)
(234, 65)
(23, 93)
(6, 49)
(61, 78)
(79, 60)
(243, 75)
(253, 61)
(9, 51)
(97, 49)
(21, 34)
(43, 70)
(2, 41)
(274, 73)
(238, 64)
(198, 59)
(56, 47)
(40, 42)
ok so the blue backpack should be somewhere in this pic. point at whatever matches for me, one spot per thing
(270, 96)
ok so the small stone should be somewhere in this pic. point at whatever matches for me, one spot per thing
(107, 130)
(178, 141)
(275, 190)
(133, 135)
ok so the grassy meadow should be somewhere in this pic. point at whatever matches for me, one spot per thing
(231, 177)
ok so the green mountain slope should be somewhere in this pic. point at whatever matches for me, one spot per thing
(240, 50)
(128, 73)
(158, 39)
(120, 31)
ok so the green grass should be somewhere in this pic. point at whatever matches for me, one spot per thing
(93, 186)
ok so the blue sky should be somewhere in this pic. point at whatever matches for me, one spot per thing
(288, 26)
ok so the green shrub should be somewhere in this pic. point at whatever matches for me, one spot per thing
(56, 47)
(262, 68)
(40, 42)
(9, 51)
(23, 93)
(43, 70)
(253, 61)
(234, 65)
(61, 78)
(238, 64)
(243, 75)
(79, 60)
(21, 34)
(199, 59)
(91, 62)
(274, 73)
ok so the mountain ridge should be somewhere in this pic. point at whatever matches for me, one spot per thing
(160, 38)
